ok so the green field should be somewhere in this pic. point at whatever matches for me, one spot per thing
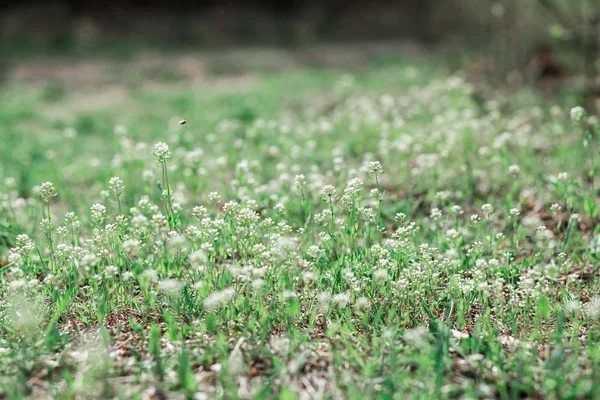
(368, 232)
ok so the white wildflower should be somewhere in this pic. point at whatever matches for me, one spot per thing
(380, 275)
(116, 185)
(258, 283)
(46, 191)
(514, 170)
(452, 234)
(341, 299)
(488, 210)
(577, 113)
(218, 299)
(161, 151)
(375, 168)
(170, 287)
(98, 213)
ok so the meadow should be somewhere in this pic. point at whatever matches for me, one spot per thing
(369, 232)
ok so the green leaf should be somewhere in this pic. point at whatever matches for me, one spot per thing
(293, 308)
(543, 307)
(590, 207)
(154, 341)
(185, 376)
(211, 322)
(287, 394)
(52, 336)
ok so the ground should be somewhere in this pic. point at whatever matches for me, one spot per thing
(266, 224)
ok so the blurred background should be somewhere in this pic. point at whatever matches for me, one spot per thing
(512, 42)
(64, 24)
(219, 22)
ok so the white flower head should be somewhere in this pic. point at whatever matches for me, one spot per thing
(341, 300)
(116, 185)
(380, 275)
(514, 170)
(98, 213)
(329, 192)
(577, 113)
(161, 151)
(488, 210)
(24, 245)
(218, 299)
(46, 191)
(299, 183)
(592, 308)
(214, 197)
(452, 233)
(132, 246)
(362, 303)
(198, 258)
(171, 287)
(572, 307)
(375, 168)
(258, 283)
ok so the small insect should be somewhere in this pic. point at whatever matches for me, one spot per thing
(182, 122)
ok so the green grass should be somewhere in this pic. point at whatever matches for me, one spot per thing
(312, 233)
